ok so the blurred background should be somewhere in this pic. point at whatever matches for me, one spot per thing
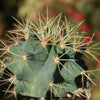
(75, 10)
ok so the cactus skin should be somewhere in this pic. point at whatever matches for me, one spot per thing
(34, 76)
(45, 63)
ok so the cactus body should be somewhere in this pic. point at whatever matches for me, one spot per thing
(48, 62)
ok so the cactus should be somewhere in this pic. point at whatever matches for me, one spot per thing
(44, 58)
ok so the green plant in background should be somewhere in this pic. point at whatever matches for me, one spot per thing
(45, 59)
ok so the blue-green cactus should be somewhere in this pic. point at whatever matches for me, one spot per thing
(47, 62)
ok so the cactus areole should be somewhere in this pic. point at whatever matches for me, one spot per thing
(47, 63)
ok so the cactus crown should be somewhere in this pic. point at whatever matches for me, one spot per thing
(46, 58)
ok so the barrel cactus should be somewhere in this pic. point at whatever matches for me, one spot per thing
(44, 59)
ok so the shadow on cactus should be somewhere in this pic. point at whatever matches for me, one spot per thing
(45, 59)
